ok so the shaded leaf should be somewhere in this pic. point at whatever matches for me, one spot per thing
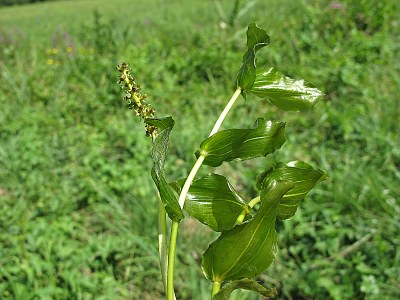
(246, 284)
(213, 201)
(247, 249)
(257, 38)
(158, 153)
(301, 174)
(285, 92)
(227, 145)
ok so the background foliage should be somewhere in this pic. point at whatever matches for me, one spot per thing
(14, 2)
(77, 204)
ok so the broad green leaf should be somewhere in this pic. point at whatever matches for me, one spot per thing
(301, 174)
(227, 145)
(286, 93)
(158, 153)
(247, 250)
(246, 284)
(257, 38)
(213, 201)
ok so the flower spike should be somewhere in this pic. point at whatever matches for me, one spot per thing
(135, 99)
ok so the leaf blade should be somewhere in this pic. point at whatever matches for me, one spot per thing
(247, 249)
(284, 92)
(213, 201)
(257, 38)
(226, 145)
(304, 177)
(158, 153)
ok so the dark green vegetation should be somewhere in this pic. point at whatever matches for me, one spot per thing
(77, 202)
(15, 2)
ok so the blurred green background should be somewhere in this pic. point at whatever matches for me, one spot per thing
(77, 204)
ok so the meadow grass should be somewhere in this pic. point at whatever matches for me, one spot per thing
(78, 206)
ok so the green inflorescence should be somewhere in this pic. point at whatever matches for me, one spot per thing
(135, 99)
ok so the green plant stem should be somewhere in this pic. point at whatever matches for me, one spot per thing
(254, 201)
(216, 286)
(189, 180)
(171, 260)
(162, 241)
(227, 108)
(183, 194)
(201, 158)
(244, 212)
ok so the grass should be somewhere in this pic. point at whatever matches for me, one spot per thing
(77, 203)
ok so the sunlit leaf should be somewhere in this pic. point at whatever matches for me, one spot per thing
(158, 153)
(247, 250)
(301, 174)
(246, 284)
(213, 201)
(257, 38)
(286, 93)
(227, 145)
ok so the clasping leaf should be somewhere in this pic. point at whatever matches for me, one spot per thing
(247, 249)
(301, 174)
(246, 284)
(284, 92)
(213, 201)
(158, 153)
(227, 145)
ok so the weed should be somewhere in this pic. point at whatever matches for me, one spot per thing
(248, 242)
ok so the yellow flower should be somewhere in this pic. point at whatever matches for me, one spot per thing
(52, 51)
(69, 49)
(50, 61)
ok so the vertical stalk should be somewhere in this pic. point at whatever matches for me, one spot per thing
(162, 241)
(183, 194)
(190, 179)
(227, 108)
(171, 260)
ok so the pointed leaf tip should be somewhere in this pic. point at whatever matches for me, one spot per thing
(257, 38)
